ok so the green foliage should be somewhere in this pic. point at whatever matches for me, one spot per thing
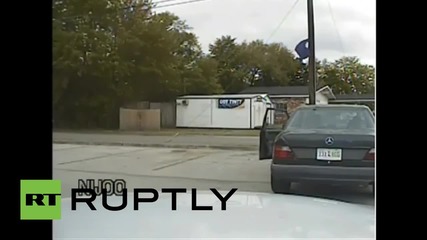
(109, 53)
(348, 75)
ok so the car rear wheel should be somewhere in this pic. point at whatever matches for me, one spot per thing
(280, 186)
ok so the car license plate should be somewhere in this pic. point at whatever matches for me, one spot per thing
(329, 154)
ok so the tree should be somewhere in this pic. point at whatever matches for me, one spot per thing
(225, 52)
(252, 64)
(267, 64)
(202, 78)
(108, 53)
(301, 77)
(348, 75)
(84, 60)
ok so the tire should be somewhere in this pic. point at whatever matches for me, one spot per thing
(280, 186)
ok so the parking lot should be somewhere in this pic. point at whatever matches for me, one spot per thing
(181, 167)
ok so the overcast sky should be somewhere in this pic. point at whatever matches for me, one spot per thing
(343, 27)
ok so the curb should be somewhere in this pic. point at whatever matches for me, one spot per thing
(158, 145)
(163, 134)
(171, 133)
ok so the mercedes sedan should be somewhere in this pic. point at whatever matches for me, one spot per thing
(320, 143)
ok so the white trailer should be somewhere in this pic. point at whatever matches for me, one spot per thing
(233, 111)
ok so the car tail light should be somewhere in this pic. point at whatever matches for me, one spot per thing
(370, 155)
(282, 153)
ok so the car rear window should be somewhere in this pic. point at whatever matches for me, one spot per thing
(332, 118)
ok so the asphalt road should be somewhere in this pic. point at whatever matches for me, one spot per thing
(179, 141)
(179, 167)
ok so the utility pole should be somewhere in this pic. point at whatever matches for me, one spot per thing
(312, 72)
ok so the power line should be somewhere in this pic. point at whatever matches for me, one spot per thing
(283, 20)
(176, 4)
(164, 1)
(336, 27)
(152, 8)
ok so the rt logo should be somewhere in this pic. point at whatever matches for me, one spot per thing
(40, 199)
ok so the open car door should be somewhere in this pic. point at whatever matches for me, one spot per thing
(273, 123)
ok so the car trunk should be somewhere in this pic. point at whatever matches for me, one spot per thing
(354, 146)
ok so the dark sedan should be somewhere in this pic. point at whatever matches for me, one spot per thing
(320, 143)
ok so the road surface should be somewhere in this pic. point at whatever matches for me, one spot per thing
(179, 141)
(189, 168)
